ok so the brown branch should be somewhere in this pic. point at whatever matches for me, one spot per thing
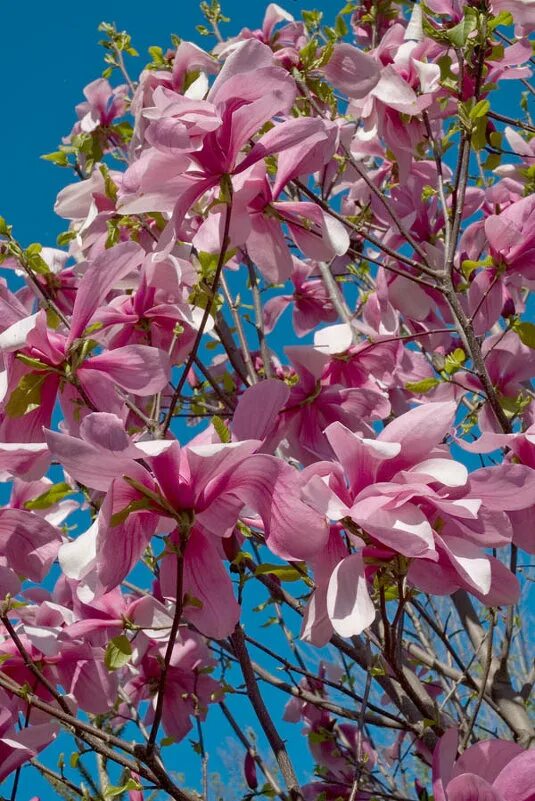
(196, 344)
(277, 744)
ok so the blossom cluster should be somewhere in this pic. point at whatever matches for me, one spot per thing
(316, 173)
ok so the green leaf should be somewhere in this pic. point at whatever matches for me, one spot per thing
(492, 162)
(423, 386)
(134, 506)
(479, 134)
(526, 332)
(112, 791)
(340, 26)
(4, 227)
(480, 109)
(459, 34)
(468, 266)
(454, 361)
(503, 18)
(58, 157)
(65, 238)
(35, 261)
(118, 653)
(378, 670)
(29, 361)
(221, 429)
(110, 188)
(283, 572)
(208, 262)
(27, 396)
(55, 494)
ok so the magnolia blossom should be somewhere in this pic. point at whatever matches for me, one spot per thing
(188, 463)
(491, 769)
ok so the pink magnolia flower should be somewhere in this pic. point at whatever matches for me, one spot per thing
(337, 747)
(282, 38)
(510, 364)
(404, 495)
(367, 364)
(310, 298)
(523, 12)
(76, 666)
(313, 404)
(189, 687)
(490, 770)
(102, 105)
(18, 746)
(248, 92)
(380, 91)
(207, 486)
(41, 359)
(511, 238)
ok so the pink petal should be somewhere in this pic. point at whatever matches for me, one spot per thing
(29, 542)
(420, 430)
(471, 788)
(349, 605)
(359, 457)
(351, 71)
(84, 462)
(139, 369)
(469, 561)
(258, 408)
(120, 547)
(443, 760)
(99, 279)
(17, 749)
(405, 529)
(273, 310)
(268, 249)
(508, 487)
(516, 782)
(28, 461)
(487, 758)
(206, 580)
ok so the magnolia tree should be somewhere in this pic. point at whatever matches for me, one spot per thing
(268, 424)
